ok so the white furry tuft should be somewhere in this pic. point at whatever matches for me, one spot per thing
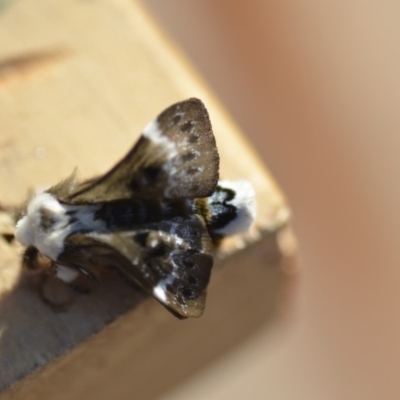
(49, 240)
(245, 203)
(29, 230)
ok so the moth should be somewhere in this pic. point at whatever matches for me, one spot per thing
(155, 216)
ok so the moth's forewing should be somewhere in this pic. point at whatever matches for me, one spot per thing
(176, 157)
(170, 260)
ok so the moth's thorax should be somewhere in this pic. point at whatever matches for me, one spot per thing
(48, 222)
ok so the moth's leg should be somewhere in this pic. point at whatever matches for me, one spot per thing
(78, 280)
(56, 293)
(42, 272)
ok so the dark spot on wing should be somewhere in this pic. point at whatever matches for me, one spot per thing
(135, 183)
(147, 177)
(195, 187)
(187, 126)
(193, 138)
(176, 118)
(196, 268)
(187, 293)
(183, 260)
(193, 170)
(189, 233)
(188, 263)
(189, 156)
(150, 174)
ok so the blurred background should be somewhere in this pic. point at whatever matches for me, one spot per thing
(315, 87)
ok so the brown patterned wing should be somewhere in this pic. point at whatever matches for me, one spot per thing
(170, 260)
(176, 157)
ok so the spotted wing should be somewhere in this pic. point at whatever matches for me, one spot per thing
(170, 260)
(176, 157)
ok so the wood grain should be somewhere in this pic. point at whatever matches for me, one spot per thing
(81, 79)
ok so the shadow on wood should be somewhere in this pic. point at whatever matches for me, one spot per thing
(146, 344)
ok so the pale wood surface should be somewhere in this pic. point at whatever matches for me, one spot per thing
(78, 81)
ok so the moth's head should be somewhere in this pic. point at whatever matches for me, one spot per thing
(40, 216)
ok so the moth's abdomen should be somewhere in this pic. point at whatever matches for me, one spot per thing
(127, 214)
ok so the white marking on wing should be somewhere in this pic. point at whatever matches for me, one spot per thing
(160, 290)
(153, 132)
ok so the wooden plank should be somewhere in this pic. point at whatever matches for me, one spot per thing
(78, 81)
